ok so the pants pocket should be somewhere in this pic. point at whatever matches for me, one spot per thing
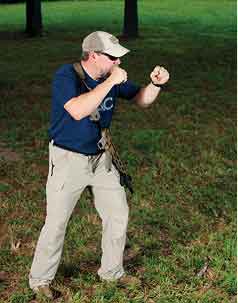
(58, 167)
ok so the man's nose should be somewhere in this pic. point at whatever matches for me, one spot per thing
(117, 61)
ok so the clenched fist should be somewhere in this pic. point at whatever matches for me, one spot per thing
(118, 75)
(159, 75)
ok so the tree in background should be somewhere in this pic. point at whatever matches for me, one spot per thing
(130, 28)
(33, 18)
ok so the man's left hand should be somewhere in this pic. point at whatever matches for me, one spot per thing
(159, 75)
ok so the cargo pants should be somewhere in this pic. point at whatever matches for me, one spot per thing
(69, 174)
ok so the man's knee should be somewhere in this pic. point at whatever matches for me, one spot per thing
(56, 227)
(117, 226)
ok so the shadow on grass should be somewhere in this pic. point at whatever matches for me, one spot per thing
(9, 35)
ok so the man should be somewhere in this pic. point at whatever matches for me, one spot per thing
(74, 147)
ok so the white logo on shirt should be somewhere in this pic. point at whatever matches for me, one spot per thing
(107, 104)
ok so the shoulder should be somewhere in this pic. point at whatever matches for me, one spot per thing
(65, 70)
(128, 89)
(127, 85)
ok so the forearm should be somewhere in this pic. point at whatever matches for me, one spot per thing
(85, 104)
(147, 95)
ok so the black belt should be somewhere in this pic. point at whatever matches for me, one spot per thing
(75, 151)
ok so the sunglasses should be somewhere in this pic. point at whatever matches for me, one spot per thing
(112, 58)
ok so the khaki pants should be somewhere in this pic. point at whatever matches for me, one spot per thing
(69, 174)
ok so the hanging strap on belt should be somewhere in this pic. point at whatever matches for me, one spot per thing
(105, 143)
(112, 156)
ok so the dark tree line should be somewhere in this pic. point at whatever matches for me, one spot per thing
(34, 18)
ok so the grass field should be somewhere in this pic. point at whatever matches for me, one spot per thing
(181, 152)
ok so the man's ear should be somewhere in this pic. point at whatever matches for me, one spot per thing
(93, 55)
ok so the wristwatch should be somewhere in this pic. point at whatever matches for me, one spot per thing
(159, 85)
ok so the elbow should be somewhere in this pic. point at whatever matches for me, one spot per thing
(73, 112)
(76, 116)
(142, 104)
(140, 100)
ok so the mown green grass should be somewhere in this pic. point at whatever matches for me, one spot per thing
(181, 152)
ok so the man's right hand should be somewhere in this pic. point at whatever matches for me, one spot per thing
(118, 75)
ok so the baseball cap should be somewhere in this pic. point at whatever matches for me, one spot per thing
(105, 43)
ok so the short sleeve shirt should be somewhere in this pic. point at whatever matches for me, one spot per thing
(82, 135)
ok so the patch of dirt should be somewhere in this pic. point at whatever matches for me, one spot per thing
(3, 276)
(8, 154)
(3, 234)
(11, 281)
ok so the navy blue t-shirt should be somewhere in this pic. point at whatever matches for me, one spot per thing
(83, 135)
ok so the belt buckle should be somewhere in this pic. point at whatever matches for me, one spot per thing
(101, 143)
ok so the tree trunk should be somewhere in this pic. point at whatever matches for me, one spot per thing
(33, 18)
(130, 28)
